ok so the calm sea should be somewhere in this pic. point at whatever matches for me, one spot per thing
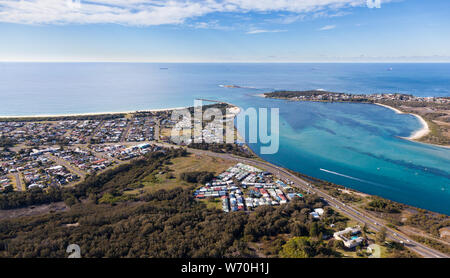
(355, 145)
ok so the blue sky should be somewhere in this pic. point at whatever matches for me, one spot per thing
(225, 30)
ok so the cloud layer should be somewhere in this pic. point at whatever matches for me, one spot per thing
(150, 12)
(327, 27)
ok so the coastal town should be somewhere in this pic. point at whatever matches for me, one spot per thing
(225, 137)
(320, 95)
(61, 152)
(244, 187)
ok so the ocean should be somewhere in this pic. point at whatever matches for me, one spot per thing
(355, 145)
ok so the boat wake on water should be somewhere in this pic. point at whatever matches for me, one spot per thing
(352, 178)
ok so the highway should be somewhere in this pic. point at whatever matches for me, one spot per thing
(346, 209)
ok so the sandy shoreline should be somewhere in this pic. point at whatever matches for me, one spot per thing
(234, 110)
(415, 136)
(418, 133)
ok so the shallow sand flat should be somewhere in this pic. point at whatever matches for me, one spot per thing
(417, 134)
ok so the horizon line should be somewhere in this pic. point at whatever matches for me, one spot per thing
(228, 62)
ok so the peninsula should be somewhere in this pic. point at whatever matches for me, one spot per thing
(433, 112)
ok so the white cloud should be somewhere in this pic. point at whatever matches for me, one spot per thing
(259, 31)
(213, 24)
(150, 12)
(327, 27)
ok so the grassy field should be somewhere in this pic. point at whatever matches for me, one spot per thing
(13, 181)
(171, 179)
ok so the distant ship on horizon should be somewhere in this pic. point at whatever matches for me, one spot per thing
(230, 86)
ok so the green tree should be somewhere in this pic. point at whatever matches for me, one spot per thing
(8, 189)
(314, 230)
(381, 235)
(70, 200)
(364, 230)
(298, 229)
(338, 244)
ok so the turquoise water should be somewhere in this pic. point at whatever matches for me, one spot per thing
(355, 145)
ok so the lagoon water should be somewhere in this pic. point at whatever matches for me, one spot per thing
(355, 145)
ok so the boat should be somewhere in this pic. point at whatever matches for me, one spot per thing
(230, 86)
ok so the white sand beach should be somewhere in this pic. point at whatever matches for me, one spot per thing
(418, 133)
(91, 113)
(234, 110)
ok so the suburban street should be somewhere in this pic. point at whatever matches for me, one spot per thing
(346, 209)
(18, 181)
(73, 169)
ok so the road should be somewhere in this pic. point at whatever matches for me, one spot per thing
(18, 181)
(346, 209)
(96, 129)
(124, 135)
(71, 168)
(157, 129)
